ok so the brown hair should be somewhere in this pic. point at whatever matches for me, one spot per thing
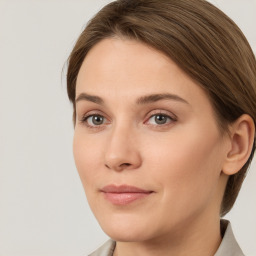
(200, 39)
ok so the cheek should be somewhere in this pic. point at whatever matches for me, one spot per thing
(188, 165)
(86, 155)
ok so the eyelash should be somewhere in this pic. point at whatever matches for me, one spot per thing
(172, 118)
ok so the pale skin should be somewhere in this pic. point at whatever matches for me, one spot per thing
(168, 143)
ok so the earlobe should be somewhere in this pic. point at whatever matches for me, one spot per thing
(242, 134)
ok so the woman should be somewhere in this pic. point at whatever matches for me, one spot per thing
(164, 96)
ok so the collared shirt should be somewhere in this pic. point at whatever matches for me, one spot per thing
(228, 246)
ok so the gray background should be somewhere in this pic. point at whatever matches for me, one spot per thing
(43, 210)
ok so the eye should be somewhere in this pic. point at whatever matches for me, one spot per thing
(94, 120)
(160, 119)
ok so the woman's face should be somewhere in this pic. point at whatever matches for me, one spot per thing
(146, 143)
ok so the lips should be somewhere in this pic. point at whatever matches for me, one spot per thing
(124, 194)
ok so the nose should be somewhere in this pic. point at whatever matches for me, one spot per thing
(122, 150)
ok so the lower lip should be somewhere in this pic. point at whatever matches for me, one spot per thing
(124, 198)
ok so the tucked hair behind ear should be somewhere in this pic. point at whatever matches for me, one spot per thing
(200, 39)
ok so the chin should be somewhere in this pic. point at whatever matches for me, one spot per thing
(125, 229)
(128, 235)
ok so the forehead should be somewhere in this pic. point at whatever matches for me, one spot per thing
(126, 60)
(127, 68)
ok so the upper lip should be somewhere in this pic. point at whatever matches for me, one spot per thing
(123, 189)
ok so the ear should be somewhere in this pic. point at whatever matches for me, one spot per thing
(242, 134)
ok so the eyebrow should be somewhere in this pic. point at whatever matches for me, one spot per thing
(91, 98)
(140, 101)
(157, 97)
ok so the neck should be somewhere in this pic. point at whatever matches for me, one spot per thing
(200, 238)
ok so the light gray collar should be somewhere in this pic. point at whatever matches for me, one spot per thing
(229, 245)
(106, 249)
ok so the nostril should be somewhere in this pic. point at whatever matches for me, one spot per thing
(125, 164)
(118, 167)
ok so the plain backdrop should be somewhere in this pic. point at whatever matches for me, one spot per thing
(43, 209)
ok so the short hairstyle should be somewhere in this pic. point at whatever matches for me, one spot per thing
(200, 39)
